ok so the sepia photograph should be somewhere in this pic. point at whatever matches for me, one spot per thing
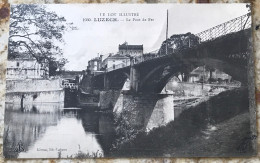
(130, 81)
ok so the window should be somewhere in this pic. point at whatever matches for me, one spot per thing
(17, 64)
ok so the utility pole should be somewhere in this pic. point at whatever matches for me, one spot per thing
(167, 35)
(165, 89)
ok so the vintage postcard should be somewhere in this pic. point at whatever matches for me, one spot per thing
(132, 80)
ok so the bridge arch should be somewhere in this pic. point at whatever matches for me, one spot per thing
(117, 80)
(156, 86)
(146, 77)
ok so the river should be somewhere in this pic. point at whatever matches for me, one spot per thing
(50, 131)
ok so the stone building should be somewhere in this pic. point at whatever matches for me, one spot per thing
(130, 50)
(122, 58)
(94, 65)
(71, 79)
(26, 68)
(117, 61)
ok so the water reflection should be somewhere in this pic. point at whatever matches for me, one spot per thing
(51, 131)
(102, 125)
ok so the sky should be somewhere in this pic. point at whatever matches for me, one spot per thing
(94, 38)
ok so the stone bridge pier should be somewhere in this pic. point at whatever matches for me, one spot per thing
(144, 111)
(134, 77)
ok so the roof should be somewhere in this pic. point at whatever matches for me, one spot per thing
(130, 47)
(198, 70)
(118, 56)
(95, 59)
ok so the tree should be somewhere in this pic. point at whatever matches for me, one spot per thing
(38, 33)
(179, 42)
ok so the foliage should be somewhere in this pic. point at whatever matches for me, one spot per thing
(82, 155)
(125, 132)
(37, 33)
(179, 42)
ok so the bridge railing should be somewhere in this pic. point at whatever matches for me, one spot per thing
(121, 65)
(146, 57)
(234, 25)
(231, 26)
(109, 69)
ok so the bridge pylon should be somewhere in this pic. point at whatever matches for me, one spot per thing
(134, 77)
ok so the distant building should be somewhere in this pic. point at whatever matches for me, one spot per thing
(201, 74)
(198, 74)
(130, 50)
(117, 61)
(26, 68)
(122, 58)
(71, 79)
(95, 65)
(70, 83)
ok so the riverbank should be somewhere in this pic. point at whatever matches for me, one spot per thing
(230, 138)
(228, 108)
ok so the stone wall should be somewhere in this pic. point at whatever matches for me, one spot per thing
(33, 85)
(85, 84)
(186, 89)
(108, 99)
(34, 91)
(193, 89)
(145, 111)
(163, 112)
(137, 109)
(119, 105)
(35, 97)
